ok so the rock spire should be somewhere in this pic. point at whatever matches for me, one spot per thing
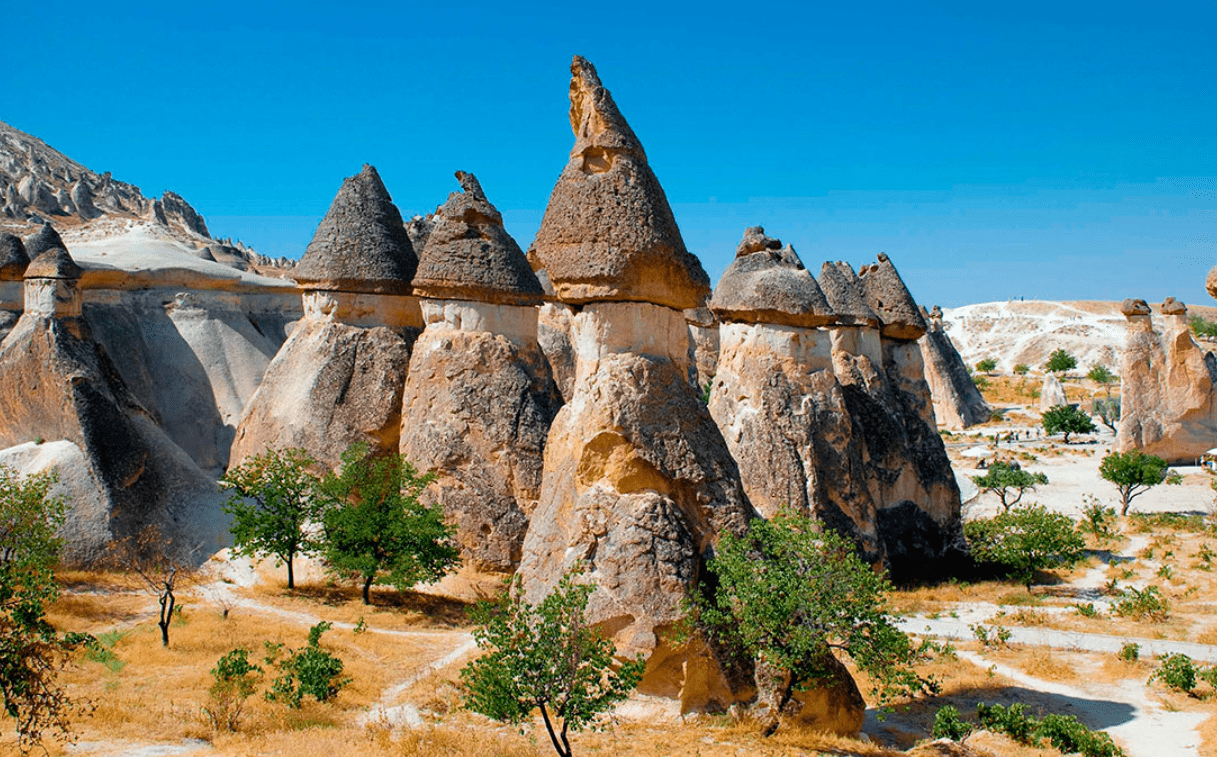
(844, 294)
(889, 298)
(767, 283)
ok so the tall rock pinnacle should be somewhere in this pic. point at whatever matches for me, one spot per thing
(608, 233)
(361, 245)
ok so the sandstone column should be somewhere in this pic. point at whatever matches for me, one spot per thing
(13, 262)
(958, 404)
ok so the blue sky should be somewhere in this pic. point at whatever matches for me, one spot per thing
(1055, 150)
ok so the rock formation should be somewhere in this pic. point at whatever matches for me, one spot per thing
(1167, 388)
(878, 363)
(638, 481)
(339, 377)
(123, 472)
(958, 404)
(478, 398)
(776, 397)
(13, 262)
(1052, 393)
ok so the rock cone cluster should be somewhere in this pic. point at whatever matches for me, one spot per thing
(1168, 386)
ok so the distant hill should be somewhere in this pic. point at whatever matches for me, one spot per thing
(1028, 331)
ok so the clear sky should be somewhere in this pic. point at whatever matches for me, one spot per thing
(1059, 150)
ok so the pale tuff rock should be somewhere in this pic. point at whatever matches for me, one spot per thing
(776, 398)
(51, 282)
(768, 284)
(608, 232)
(478, 399)
(1052, 393)
(553, 335)
(844, 294)
(361, 244)
(703, 346)
(1167, 387)
(46, 238)
(958, 404)
(888, 297)
(468, 255)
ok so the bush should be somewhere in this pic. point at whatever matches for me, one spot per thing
(988, 365)
(1129, 652)
(1142, 604)
(1024, 540)
(1177, 672)
(1065, 732)
(236, 679)
(1098, 521)
(949, 725)
(1008, 483)
(1022, 369)
(1060, 360)
(1067, 419)
(311, 671)
(1202, 327)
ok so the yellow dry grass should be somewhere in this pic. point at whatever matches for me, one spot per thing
(1208, 737)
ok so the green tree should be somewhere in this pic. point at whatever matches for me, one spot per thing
(1067, 419)
(1108, 411)
(1007, 482)
(546, 657)
(1202, 327)
(987, 365)
(1026, 539)
(310, 671)
(1103, 377)
(1060, 360)
(374, 527)
(31, 652)
(1022, 369)
(789, 595)
(1135, 473)
(283, 492)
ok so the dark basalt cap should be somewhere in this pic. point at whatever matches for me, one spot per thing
(1131, 307)
(844, 294)
(13, 258)
(44, 239)
(767, 283)
(468, 255)
(54, 263)
(889, 298)
(608, 233)
(1171, 306)
(361, 244)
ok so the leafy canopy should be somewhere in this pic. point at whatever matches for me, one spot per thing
(986, 365)
(1135, 473)
(1060, 360)
(1067, 419)
(31, 652)
(1100, 375)
(1008, 483)
(1026, 539)
(1022, 369)
(789, 594)
(546, 657)
(283, 492)
(374, 526)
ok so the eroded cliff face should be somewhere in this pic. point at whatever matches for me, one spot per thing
(958, 404)
(1167, 387)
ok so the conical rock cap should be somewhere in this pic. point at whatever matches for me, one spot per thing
(54, 263)
(468, 255)
(13, 258)
(608, 233)
(889, 298)
(844, 293)
(42, 240)
(767, 283)
(361, 245)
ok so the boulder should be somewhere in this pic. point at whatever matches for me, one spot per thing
(478, 399)
(1052, 393)
(958, 404)
(629, 248)
(1167, 387)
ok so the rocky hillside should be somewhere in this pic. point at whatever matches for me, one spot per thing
(38, 184)
(1029, 331)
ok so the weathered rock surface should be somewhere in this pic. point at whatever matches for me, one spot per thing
(768, 284)
(13, 258)
(958, 404)
(361, 244)
(479, 398)
(1052, 393)
(844, 294)
(608, 232)
(1167, 387)
(554, 322)
(889, 299)
(703, 346)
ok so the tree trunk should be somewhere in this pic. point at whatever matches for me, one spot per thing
(367, 588)
(553, 738)
(291, 576)
(167, 602)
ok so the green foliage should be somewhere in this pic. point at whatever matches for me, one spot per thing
(1098, 521)
(310, 671)
(991, 638)
(1135, 473)
(705, 391)
(1026, 539)
(1100, 375)
(1067, 419)
(235, 680)
(1086, 610)
(546, 657)
(791, 593)
(31, 651)
(1202, 327)
(1177, 672)
(1060, 360)
(988, 365)
(375, 528)
(1022, 369)
(949, 725)
(1130, 651)
(1014, 722)
(1064, 732)
(283, 492)
(981, 382)
(1008, 483)
(1142, 604)
(1108, 411)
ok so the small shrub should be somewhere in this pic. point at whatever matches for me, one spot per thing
(991, 638)
(988, 365)
(1129, 652)
(1066, 733)
(1098, 521)
(1014, 722)
(981, 382)
(1142, 604)
(1177, 672)
(1022, 369)
(236, 679)
(1087, 610)
(311, 671)
(949, 725)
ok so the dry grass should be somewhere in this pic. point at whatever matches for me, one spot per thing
(1208, 737)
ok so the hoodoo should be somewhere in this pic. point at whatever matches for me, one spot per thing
(479, 397)
(638, 480)
(958, 404)
(339, 377)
